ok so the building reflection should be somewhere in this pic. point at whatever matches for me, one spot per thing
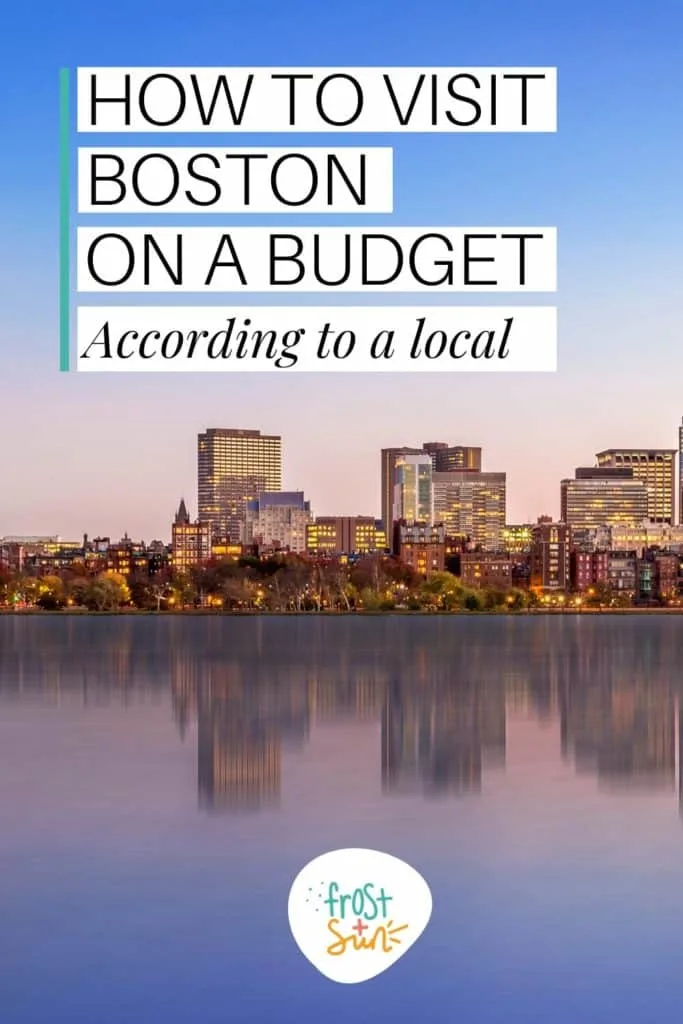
(442, 695)
(238, 755)
(440, 728)
(617, 711)
(621, 734)
(245, 716)
(440, 740)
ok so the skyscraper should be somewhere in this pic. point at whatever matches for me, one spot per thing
(413, 500)
(389, 458)
(453, 458)
(445, 458)
(680, 473)
(472, 505)
(235, 466)
(656, 468)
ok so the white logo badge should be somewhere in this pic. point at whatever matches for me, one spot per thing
(354, 913)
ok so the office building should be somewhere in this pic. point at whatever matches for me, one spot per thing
(413, 499)
(639, 538)
(277, 520)
(587, 503)
(389, 459)
(234, 467)
(445, 458)
(603, 473)
(656, 468)
(472, 504)
(453, 458)
(331, 536)
(680, 474)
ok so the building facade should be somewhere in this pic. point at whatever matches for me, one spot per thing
(190, 542)
(667, 575)
(483, 569)
(233, 468)
(445, 458)
(389, 459)
(622, 577)
(453, 458)
(422, 546)
(588, 569)
(603, 501)
(517, 538)
(550, 549)
(656, 467)
(330, 536)
(473, 505)
(277, 520)
(638, 538)
(413, 495)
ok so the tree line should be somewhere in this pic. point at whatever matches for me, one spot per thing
(287, 583)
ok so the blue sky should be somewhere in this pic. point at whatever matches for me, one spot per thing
(80, 453)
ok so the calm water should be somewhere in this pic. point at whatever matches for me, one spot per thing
(163, 780)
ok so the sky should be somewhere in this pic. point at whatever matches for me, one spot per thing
(112, 454)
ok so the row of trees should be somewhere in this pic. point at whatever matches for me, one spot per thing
(284, 584)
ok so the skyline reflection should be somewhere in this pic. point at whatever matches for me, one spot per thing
(440, 693)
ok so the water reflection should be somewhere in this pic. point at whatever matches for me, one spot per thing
(438, 738)
(440, 692)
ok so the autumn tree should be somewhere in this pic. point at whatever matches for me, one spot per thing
(51, 593)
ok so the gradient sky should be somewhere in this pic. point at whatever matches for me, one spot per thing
(113, 454)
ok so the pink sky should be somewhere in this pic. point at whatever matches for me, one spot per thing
(104, 455)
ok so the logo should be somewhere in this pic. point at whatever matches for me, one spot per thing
(354, 913)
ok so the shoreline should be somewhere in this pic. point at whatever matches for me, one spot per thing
(396, 612)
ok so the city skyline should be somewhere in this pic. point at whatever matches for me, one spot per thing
(116, 451)
(449, 450)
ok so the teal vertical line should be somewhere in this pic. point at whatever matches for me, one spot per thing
(64, 223)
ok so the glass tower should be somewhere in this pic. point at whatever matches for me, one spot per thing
(413, 499)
